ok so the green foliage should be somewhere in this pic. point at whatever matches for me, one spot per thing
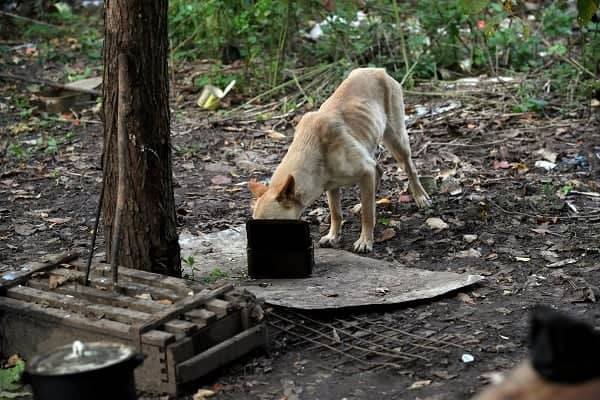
(10, 377)
(215, 275)
(586, 10)
(189, 261)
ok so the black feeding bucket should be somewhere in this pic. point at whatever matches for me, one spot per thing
(91, 371)
(279, 249)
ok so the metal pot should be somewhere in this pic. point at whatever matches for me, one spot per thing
(90, 371)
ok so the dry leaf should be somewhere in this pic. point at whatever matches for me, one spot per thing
(547, 155)
(166, 302)
(58, 220)
(275, 135)
(55, 281)
(405, 198)
(386, 234)
(202, 394)
(221, 180)
(501, 164)
(436, 223)
(465, 298)
(468, 253)
(385, 200)
(420, 384)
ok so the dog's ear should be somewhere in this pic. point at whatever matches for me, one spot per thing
(287, 191)
(257, 188)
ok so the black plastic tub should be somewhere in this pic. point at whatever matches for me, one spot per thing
(279, 249)
(90, 371)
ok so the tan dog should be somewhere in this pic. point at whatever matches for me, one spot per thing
(335, 147)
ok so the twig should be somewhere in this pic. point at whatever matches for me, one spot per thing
(35, 21)
(454, 144)
(49, 83)
(580, 216)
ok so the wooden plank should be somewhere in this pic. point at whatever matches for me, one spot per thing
(101, 296)
(180, 328)
(201, 316)
(219, 307)
(30, 268)
(221, 354)
(65, 318)
(129, 288)
(73, 304)
(182, 286)
(175, 310)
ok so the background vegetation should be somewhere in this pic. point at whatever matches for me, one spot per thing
(423, 39)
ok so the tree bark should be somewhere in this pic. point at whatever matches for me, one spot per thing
(138, 28)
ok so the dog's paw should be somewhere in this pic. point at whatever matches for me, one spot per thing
(422, 200)
(329, 241)
(356, 209)
(363, 245)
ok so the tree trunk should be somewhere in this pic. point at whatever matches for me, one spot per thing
(138, 29)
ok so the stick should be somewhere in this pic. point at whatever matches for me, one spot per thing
(122, 112)
(49, 83)
(15, 16)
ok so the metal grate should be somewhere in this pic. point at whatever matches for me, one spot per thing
(363, 342)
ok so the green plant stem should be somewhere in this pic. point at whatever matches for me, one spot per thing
(402, 41)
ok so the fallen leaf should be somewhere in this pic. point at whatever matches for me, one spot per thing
(521, 167)
(468, 253)
(469, 238)
(547, 155)
(523, 259)
(405, 198)
(436, 223)
(221, 180)
(202, 394)
(502, 164)
(420, 384)
(386, 234)
(58, 220)
(385, 200)
(144, 296)
(275, 135)
(55, 281)
(166, 302)
(465, 298)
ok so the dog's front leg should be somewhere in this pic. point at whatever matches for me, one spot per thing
(335, 212)
(367, 200)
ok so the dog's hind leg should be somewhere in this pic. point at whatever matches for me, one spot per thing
(396, 140)
(335, 212)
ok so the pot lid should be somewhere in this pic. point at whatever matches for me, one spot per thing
(80, 357)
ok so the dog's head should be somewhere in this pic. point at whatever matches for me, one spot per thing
(277, 201)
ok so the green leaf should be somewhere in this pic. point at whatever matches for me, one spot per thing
(473, 6)
(9, 377)
(586, 10)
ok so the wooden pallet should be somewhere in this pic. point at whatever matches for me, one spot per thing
(185, 329)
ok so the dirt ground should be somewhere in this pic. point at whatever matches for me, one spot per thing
(533, 233)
